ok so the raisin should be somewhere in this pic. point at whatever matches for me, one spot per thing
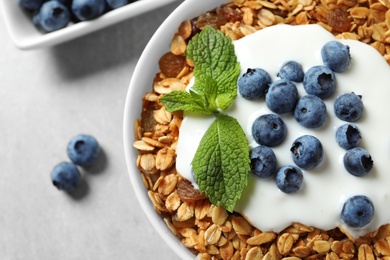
(147, 119)
(230, 14)
(171, 65)
(338, 20)
(281, 13)
(216, 18)
(212, 19)
(336, 234)
(195, 29)
(186, 192)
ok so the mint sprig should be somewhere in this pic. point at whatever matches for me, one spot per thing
(221, 162)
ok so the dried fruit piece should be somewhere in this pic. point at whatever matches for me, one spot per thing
(186, 192)
(171, 65)
(230, 14)
(211, 19)
(338, 20)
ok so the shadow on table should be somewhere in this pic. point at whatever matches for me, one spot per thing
(80, 191)
(97, 167)
(109, 47)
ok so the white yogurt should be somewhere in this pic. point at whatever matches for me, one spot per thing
(324, 190)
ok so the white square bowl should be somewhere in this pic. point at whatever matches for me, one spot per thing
(25, 36)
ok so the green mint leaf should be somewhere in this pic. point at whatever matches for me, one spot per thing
(198, 99)
(214, 57)
(182, 100)
(228, 87)
(210, 93)
(221, 163)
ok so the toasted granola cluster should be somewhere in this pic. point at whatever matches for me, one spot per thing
(210, 232)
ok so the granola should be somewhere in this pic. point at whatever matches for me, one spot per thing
(210, 232)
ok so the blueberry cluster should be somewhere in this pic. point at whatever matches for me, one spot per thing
(281, 97)
(357, 161)
(82, 150)
(52, 15)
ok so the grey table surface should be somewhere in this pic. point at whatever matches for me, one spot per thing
(48, 96)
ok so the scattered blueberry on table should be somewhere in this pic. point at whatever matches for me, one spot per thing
(65, 176)
(83, 150)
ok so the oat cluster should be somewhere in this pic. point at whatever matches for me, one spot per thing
(210, 232)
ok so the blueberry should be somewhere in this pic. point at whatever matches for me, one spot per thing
(358, 161)
(289, 179)
(65, 176)
(281, 96)
(269, 130)
(291, 70)
(310, 111)
(263, 161)
(67, 3)
(349, 107)
(307, 152)
(254, 83)
(31, 5)
(52, 16)
(348, 136)
(319, 81)
(116, 3)
(358, 211)
(83, 150)
(88, 9)
(336, 56)
(36, 20)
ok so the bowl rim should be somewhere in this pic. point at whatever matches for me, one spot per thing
(156, 47)
(17, 23)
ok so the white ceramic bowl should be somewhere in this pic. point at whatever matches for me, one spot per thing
(26, 36)
(142, 81)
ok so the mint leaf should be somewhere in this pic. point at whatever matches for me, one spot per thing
(227, 87)
(210, 93)
(214, 57)
(221, 163)
(182, 100)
